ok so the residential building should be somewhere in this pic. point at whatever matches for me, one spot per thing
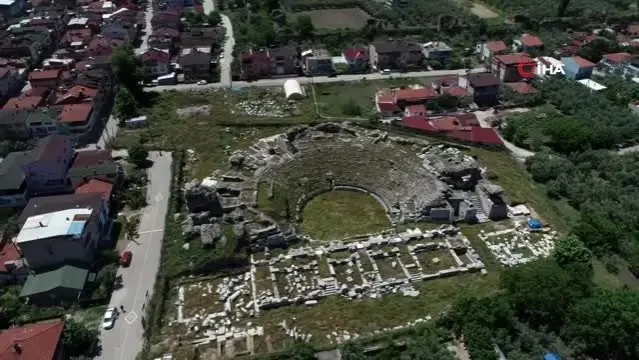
(386, 106)
(12, 8)
(76, 39)
(437, 51)
(577, 68)
(59, 238)
(615, 63)
(76, 118)
(357, 59)
(13, 188)
(156, 62)
(43, 121)
(164, 38)
(96, 186)
(12, 268)
(484, 87)
(202, 37)
(13, 124)
(592, 85)
(88, 165)
(46, 170)
(395, 54)
(35, 341)
(25, 102)
(415, 110)
(528, 43)
(195, 64)
(522, 88)
(489, 49)
(284, 60)
(255, 64)
(170, 19)
(414, 96)
(119, 30)
(57, 286)
(508, 67)
(47, 79)
(460, 93)
(102, 46)
(10, 82)
(319, 63)
(78, 23)
(631, 67)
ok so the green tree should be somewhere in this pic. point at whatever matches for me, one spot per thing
(605, 326)
(427, 346)
(300, 351)
(125, 105)
(214, 18)
(542, 292)
(138, 155)
(570, 250)
(126, 68)
(304, 27)
(351, 108)
(77, 338)
(353, 351)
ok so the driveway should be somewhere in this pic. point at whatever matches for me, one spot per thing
(148, 14)
(309, 80)
(225, 63)
(518, 153)
(125, 340)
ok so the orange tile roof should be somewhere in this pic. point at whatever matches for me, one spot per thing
(37, 341)
(420, 94)
(97, 187)
(44, 74)
(24, 102)
(8, 252)
(75, 113)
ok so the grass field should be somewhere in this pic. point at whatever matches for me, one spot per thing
(333, 97)
(212, 136)
(353, 18)
(337, 214)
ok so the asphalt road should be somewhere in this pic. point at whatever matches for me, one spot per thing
(125, 340)
(148, 14)
(227, 60)
(307, 80)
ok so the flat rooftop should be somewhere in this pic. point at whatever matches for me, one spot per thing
(69, 222)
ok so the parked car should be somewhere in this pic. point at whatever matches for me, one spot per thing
(109, 318)
(385, 72)
(201, 82)
(221, 56)
(125, 258)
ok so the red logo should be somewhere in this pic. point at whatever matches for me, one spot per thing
(527, 70)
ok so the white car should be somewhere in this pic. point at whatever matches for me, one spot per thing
(385, 72)
(201, 82)
(221, 56)
(109, 318)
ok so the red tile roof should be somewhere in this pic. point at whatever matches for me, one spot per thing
(496, 46)
(583, 62)
(522, 88)
(467, 119)
(37, 341)
(24, 102)
(77, 35)
(416, 109)
(446, 123)
(165, 31)
(478, 135)
(155, 56)
(512, 59)
(8, 252)
(419, 123)
(44, 75)
(90, 158)
(531, 40)
(455, 91)
(617, 57)
(96, 186)
(75, 113)
(386, 103)
(420, 94)
(353, 53)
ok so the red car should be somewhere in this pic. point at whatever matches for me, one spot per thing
(125, 258)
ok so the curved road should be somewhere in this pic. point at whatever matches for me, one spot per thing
(225, 63)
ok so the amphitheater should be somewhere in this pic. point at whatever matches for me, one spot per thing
(402, 174)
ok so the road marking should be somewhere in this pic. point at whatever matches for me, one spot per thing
(150, 231)
(130, 317)
(159, 197)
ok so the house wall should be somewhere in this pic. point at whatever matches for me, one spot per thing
(491, 207)
(46, 83)
(55, 296)
(157, 68)
(485, 96)
(13, 200)
(282, 65)
(49, 252)
(573, 71)
(48, 177)
(9, 85)
(43, 129)
(15, 131)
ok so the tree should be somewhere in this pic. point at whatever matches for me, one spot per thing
(570, 250)
(304, 27)
(138, 155)
(125, 105)
(605, 325)
(214, 18)
(300, 351)
(126, 68)
(77, 339)
(542, 292)
(351, 108)
(353, 351)
(563, 6)
(428, 346)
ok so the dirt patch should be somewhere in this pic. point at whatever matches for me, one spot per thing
(193, 111)
(353, 18)
(482, 11)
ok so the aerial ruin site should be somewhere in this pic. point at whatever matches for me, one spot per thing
(413, 180)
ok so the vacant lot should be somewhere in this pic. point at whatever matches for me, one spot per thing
(483, 11)
(337, 214)
(353, 18)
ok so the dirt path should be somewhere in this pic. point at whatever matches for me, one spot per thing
(482, 11)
